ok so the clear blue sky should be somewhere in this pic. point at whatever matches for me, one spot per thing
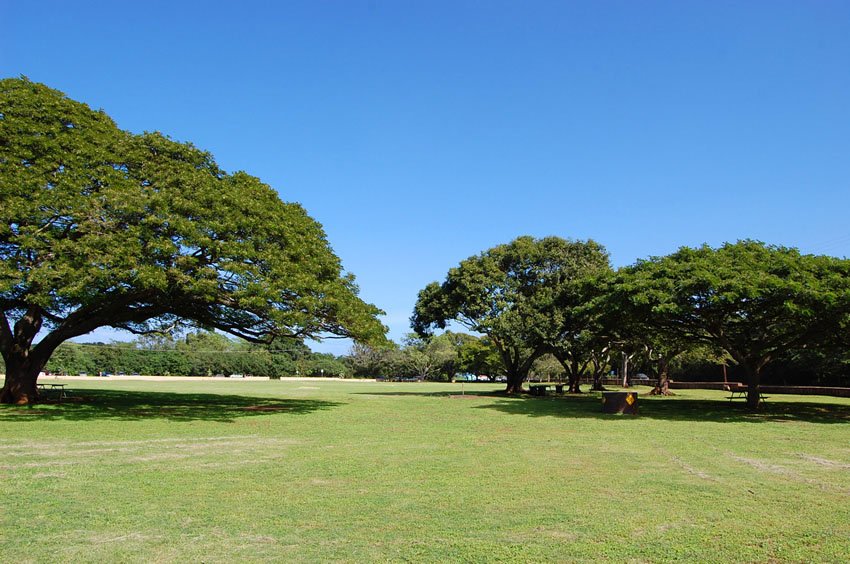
(422, 132)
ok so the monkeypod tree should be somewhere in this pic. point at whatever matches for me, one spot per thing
(750, 300)
(633, 334)
(100, 227)
(584, 352)
(509, 294)
(572, 328)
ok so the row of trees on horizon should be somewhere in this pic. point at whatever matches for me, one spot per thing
(441, 358)
(101, 227)
(752, 305)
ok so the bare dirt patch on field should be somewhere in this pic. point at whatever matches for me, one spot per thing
(825, 462)
(693, 471)
(790, 474)
(129, 537)
(766, 467)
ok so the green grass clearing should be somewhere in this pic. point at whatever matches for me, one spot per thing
(222, 471)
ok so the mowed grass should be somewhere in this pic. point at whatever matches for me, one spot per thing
(224, 471)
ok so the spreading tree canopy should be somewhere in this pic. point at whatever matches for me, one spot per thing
(101, 227)
(518, 294)
(571, 327)
(751, 300)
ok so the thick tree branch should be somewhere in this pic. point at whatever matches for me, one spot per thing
(27, 327)
(5, 334)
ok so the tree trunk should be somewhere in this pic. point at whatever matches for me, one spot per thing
(598, 373)
(575, 383)
(574, 377)
(20, 385)
(23, 363)
(662, 387)
(572, 368)
(753, 394)
(625, 375)
(515, 381)
(516, 367)
(516, 376)
(664, 382)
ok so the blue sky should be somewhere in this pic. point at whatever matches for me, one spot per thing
(422, 132)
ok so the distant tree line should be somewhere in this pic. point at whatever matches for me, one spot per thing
(201, 353)
(769, 313)
(444, 357)
(438, 358)
(452, 355)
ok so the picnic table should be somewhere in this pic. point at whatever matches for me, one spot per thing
(542, 389)
(739, 391)
(54, 389)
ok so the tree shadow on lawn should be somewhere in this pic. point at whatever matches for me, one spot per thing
(589, 405)
(675, 409)
(443, 394)
(135, 405)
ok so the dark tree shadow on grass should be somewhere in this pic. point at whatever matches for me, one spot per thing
(441, 394)
(589, 405)
(135, 405)
(675, 409)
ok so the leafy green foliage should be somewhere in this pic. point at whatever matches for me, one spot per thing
(518, 294)
(479, 356)
(430, 357)
(750, 300)
(101, 227)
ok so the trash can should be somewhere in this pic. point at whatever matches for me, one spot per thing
(620, 402)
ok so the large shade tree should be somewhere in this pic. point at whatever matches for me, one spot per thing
(100, 227)
(750, 300)
(509, 294)
(571, 327)
(632, 333)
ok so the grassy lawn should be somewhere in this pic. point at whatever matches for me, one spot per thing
(223, 471)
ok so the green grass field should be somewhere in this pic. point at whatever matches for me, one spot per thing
(223, 471)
